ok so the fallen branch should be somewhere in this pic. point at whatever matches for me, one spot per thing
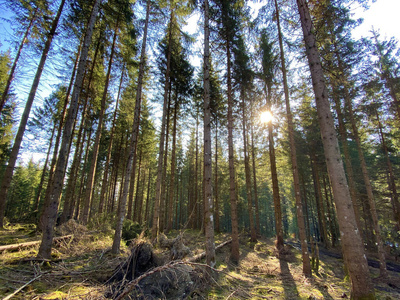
(34, 243)
(203, 254)
(22, 287)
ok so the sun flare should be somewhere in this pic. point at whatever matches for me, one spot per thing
(266, 116)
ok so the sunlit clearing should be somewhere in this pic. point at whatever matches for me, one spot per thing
(266, 116)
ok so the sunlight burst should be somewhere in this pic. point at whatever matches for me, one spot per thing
(266, 116)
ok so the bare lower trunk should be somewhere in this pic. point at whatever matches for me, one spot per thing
(95, 150)
(208, 198)
(5, 185)
(104, 184)
(232, 174)
(352, 244)
(58, 182)
(253, 234)
(134, 138)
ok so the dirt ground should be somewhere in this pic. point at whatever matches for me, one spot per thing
(81, 267)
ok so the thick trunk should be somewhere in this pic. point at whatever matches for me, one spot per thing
(208, 198)
(58, 181)
(134, 137)
(352, 244)
(347, 158)
(293, 157)
(5, 185)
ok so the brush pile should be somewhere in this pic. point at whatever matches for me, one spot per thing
(147, 275)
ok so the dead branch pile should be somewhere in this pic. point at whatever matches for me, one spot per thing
(146, 275)
(178, 250)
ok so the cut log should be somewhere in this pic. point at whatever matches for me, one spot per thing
(13, 247)
(203, 254)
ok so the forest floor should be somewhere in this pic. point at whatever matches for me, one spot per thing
(81, 266)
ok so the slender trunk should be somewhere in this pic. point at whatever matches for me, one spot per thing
(146, 213)
(274, 175)
(208, 196)
(141, 197)
(196, 176)
(232, 182)
(39, 192)
(318, 197)
(173, 167)
(157, 201)
(253, 233)
(109, 149)
(216, 187)
(293, 157)
(352, 244)
(14, 65)
(136, 204)
(253, 160)
(5, 184)
(134, 137)
(95, 151)
(58, 181)
(164, 193)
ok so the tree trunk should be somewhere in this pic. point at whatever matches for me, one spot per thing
(157, 201)
(232, 174)
(56, 188)
(5, 184)
(95, 151)
(109, 149)
(134, 137)
(216, 187)
(352, 244)
(293, 157)
(39, 191)
(164, 194)
(208, 197)
(318, 197)
(253, 234)
(173, 167)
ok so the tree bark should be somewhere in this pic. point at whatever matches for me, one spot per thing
(208, 195)
(253, 234)
(232, 174)
(352, 244)
(173, 167)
